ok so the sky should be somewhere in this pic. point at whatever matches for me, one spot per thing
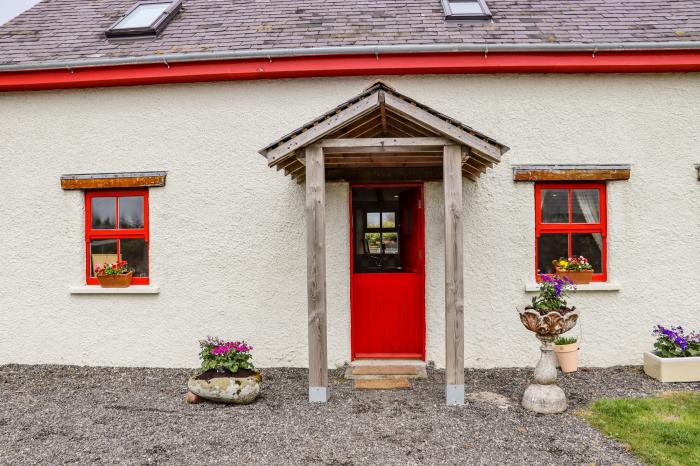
(11, 8)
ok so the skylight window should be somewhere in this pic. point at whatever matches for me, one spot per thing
(145, 18)
(466, 9)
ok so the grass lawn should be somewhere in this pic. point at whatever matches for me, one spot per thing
(663, 430)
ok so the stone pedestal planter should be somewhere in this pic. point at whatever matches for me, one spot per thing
(544, 396)
(232, 389)
(672, 369)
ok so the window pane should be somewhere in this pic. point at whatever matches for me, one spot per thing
(131, 212)
(372, 219)
(555, 206)
(101, 251)
(465, 7)
(391, 243)
(373, 243)
(388, 219)
(549, 248)
(143, 16)
(135, 253)
(104, 213)
(590, 246)
(586, 206)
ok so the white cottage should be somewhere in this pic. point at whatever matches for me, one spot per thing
(423, 160)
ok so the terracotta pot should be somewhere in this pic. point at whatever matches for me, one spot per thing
(115, 281)
(567, 355)
(582, 277)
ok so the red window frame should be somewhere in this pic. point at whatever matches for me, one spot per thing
(601, 227)
(94, 233)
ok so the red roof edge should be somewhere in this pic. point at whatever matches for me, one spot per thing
(650, 61)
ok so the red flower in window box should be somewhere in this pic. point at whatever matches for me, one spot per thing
(576, 269)
(115, 275)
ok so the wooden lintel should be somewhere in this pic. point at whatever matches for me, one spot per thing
(697, 167)
(113, 180)
(601, 172)
(383, 143)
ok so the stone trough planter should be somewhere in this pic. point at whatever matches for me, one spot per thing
(672, 369)
(227, 389)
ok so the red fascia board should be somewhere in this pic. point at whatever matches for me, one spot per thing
(354, 65)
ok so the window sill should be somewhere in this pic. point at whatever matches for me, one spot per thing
(133, 289)
(594, 286)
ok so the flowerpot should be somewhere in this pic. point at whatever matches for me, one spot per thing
(237, 389)
(567, 355)
(672, 369)
(582, 277)
(115, 281)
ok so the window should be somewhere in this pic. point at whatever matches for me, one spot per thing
(145, 18)
(466, 9)
(570, 220)
(116, 228)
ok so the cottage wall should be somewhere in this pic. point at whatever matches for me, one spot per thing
(227, 233)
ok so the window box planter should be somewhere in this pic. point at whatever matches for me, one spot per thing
(582, 277)
(115, 281)
(683, 369)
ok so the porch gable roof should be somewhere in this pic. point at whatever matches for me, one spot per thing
(386, 119)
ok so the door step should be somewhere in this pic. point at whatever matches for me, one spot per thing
(386, 371)
(382, 384)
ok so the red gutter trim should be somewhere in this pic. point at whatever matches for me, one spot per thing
(658, 61)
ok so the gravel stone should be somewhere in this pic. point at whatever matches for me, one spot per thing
(68, 414)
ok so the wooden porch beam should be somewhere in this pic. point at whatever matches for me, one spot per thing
(315, 210)
(454, 276)
(601, 172)
(346, 143)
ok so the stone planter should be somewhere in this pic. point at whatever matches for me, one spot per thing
(544, 396)
(582, 277)
(237, 390)
(115, 281)
(672, 369)
(567, 355)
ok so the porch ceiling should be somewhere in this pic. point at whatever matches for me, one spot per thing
(383, 129)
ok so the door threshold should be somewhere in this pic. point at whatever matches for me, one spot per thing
(387, 362)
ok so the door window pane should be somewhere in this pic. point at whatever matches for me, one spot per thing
(373, 243)
(101, 251)
(586, 206)
(388, 219)
(391, 243)
(555, 206)
(131, 212)
(104, 213)
(551, 247)
(135, 253)
(373, 220)
(590, 246)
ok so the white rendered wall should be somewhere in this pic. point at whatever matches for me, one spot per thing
(227, 233)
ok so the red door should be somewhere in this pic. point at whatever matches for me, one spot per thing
(387, 279)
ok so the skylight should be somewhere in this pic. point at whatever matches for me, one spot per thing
(145, 18)
(466, 9)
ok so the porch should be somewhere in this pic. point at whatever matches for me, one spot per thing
(382, 136)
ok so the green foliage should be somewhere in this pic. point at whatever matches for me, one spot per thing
(662, 431)
(565, 341)
(218, 354)
(674, 342)
(553, 291)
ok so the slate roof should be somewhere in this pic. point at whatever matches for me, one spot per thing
(58, 30)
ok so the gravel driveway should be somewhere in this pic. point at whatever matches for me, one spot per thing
(67, 414)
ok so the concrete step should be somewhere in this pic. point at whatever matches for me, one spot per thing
(384, 372)
(382, 384)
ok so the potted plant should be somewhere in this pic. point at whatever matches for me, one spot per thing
(577, 269)
(548, 317)
(566, 349)
(116, 275)
(676, 357)
(228, 374)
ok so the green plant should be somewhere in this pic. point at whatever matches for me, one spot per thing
(573, 264)
(118, 268)
(565, 341)
(553, 291)
(218, 354)
(673, 342)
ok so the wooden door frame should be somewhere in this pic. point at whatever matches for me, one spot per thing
(421, 187)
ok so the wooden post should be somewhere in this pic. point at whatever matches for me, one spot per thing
(315, 210)
(454, 276)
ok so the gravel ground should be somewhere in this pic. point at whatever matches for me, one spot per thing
(67, 414)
